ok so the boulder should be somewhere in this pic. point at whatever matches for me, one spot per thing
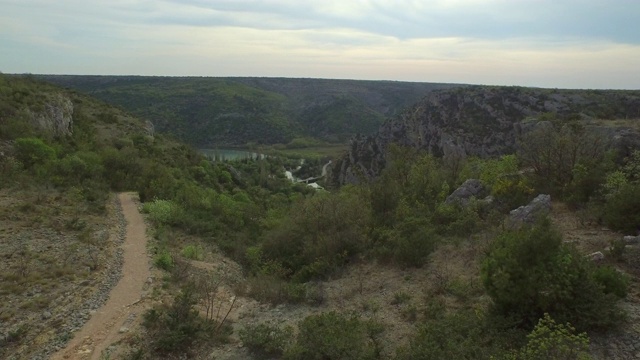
(462, 195)
(596, 256)
(528, 214)
(631, 240)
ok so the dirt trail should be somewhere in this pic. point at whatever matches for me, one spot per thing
(104, 327)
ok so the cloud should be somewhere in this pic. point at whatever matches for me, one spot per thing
(563, 43)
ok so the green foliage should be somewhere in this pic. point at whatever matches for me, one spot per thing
(320, 234)
(163, 260)
(567, 159)
(163, 212)
(462, 335)
(530, 272)
(235, 111)
(266, 341)
(549, 340)
(174, 329)
(33, 151)
(333, 336)
(621, 210)
(612, 281)
(193, 252)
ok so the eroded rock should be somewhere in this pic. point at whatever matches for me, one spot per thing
(471, 188)
(528, 214)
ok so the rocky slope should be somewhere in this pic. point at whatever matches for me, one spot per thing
(486, 121)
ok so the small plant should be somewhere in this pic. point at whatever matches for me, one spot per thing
(410, 313)
(612, 280)
(192, 252)
(162, 211)
(400, 298)
(336, 336)
(617, 248)
(164, 260)
(266, 341)
(549, 340)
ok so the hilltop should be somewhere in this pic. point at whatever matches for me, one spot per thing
(210, 112)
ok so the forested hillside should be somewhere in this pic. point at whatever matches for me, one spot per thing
(209, 112)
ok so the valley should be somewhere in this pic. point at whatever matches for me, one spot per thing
(457, 222)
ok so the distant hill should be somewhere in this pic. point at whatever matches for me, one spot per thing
(210, 112)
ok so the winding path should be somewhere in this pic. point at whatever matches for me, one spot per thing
(103, 328)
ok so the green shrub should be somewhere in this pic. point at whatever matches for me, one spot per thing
(333, 336)
(549, 340)
(33, 151)
(163, 212)
(462, 335)
(192, 252)
(175, 328)
(164, 260)
(265, 341)
(622, 209)
(612, 280)
(530, 272)
(412, 241)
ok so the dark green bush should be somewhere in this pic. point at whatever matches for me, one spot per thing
(549, 340)
(612, 281)
(33, 151)
(621, 210)
(463, 335)
(335, 336)
(266, 341)
(530, 272)
(176, 327)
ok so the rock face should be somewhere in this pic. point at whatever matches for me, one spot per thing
(470, 188)
(483, 121)
(528, 214)
(56, 118)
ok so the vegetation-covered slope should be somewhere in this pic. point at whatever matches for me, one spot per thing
(209, 112)
(61, 156)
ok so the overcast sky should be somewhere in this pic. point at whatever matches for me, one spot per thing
(547, 43)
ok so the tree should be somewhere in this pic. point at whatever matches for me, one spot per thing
(529, 272)
(554, 149)
(33, 151)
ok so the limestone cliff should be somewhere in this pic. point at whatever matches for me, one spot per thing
(482, 121)
(56, 117)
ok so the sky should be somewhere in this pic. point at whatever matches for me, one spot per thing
(542, 43)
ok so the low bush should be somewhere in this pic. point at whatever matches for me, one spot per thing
(266, 341)
(549, 340)
(192, 252)
(621, 210)
(164, 260)
(462, 335)
(612, 281)
(336, 336)
(163, 212)
(529, 272)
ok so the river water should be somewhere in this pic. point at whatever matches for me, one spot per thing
(230, 154)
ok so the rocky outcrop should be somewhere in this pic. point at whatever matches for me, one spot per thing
(528, 214)
(483, 121)
(56, 118)
(472, 188)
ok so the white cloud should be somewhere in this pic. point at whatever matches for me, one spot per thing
(522, 42)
